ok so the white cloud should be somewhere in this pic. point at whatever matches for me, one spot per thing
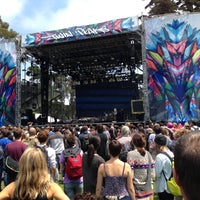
(77, 12)
(10, 8)
(81, 12)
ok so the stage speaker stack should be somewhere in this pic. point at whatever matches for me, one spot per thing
(137, 109)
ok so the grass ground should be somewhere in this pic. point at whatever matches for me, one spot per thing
(155, 197)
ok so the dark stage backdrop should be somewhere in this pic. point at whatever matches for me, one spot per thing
(96, 100)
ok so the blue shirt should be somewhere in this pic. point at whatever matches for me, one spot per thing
(4, 141)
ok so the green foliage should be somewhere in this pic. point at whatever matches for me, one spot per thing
(34, 73)
(59, 89)
(5, 32)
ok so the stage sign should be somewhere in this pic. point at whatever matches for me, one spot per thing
(81, 32)
(173, 61)
(7, 83)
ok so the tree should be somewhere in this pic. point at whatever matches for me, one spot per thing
(189, 5)
(5, 32)
(159, 7)
(59, 90)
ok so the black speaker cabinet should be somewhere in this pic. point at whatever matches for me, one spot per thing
(137, 107)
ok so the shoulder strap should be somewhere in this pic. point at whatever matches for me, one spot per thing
(123, 169)
(105, 169)
(71, 151)
(165, 153)
(171, 160)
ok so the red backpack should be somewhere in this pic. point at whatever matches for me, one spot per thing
(73, 167)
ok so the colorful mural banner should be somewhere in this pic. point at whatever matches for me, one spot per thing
(173, 63)
(7, 83)
(81, 32)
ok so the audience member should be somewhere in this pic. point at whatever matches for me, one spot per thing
(187, 126)
(92, 130)
(71, 186)
(51, 130)
(163, 167)
(84, 138)
(177, 134)
(187, 164)
(103, 150)
(125, 140)
(31, 139)
(194, 126)
(56, 141)
(117, 176)
(142, 165)
(3, 142)
(91, 162)
(106, 131)
(151, 143)
(48, 151)
(33, 181)
(15, 150)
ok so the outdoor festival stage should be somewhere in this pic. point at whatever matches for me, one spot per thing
(100, 58)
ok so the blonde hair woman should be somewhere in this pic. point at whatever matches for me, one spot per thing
(33, 181)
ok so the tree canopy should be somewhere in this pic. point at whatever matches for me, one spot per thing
(159, 7)
(189, 5)
(5, 32)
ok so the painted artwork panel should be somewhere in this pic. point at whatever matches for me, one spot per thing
(7, 83)
(173, 62)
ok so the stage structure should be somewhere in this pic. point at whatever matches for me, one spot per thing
(98, 55)
(94, 56)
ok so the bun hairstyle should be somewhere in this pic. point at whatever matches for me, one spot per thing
(115, 148)
(139, 141)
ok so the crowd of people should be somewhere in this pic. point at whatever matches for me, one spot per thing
(99, 161)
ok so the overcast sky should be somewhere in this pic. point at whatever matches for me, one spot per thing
(30, 16)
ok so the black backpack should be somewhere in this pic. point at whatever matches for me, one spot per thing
(11, 166)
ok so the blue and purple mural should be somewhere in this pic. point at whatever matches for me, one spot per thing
(117, 26)
(173, 62)
(7, 83)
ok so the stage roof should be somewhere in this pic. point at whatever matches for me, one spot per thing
(80, 51)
